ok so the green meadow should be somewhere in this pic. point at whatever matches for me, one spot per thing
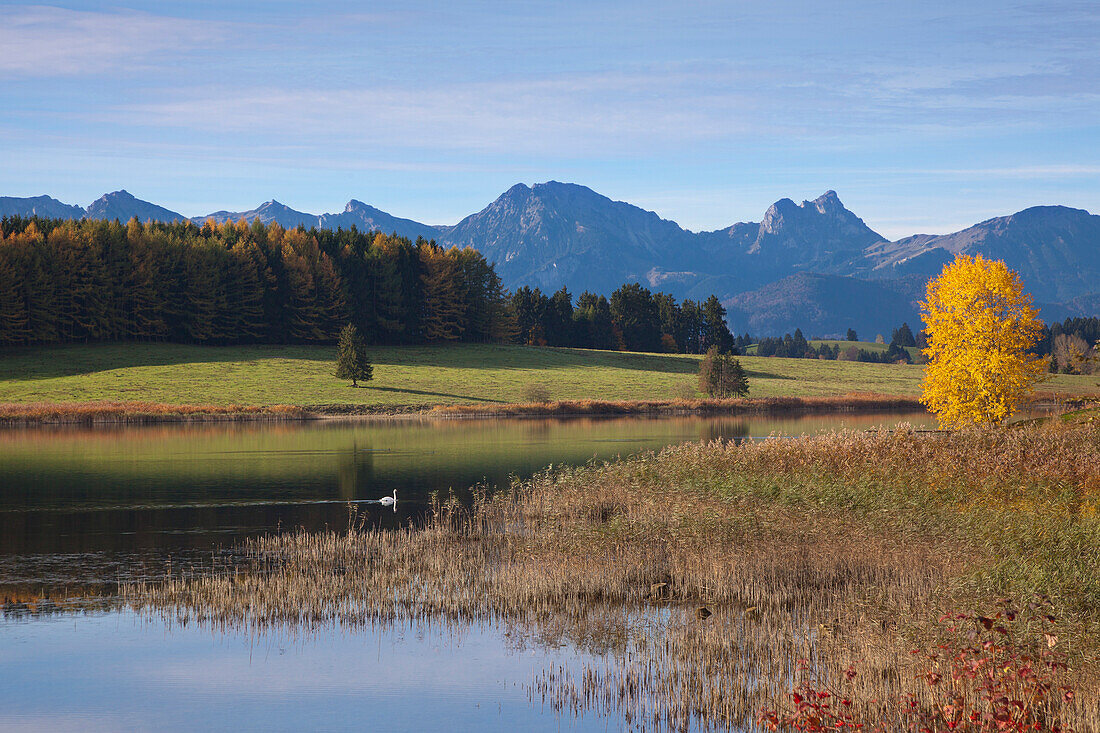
(417, 375)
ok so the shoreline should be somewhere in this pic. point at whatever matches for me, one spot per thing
(16, 415)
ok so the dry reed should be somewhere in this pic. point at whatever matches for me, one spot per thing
(855, 402)
(138, 412)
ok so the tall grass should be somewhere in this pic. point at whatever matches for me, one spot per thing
(138, 412)
(823, 563)
(148, 412)
(854, 402)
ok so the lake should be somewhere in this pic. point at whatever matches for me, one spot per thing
(82, 509)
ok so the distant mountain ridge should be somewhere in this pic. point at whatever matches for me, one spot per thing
(269, 212)
(1055, 250)
(814, 265)
(122, 205)
(43, 206)
(561, 234)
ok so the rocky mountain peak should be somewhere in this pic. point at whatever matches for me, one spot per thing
(123, 205)
(778, 214)
(828, 203)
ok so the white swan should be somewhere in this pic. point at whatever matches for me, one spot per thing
(389, 500)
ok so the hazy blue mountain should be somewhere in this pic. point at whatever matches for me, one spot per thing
(43, 206)
(123, 206)
(1085, 305)
(554, 234)
(268, 212)
(1055, 249)
(814, 236)
(367, 218)
(821, 305)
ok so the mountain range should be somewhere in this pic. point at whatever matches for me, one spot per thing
(814, 265)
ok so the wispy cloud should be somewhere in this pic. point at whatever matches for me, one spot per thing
(640, 109)
(577, 113)
(42, 41)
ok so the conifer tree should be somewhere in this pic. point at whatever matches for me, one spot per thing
(14, 327)
(691, 318)
(721, 375)
(715, 330)
(443, 295)
(304, 313)
(634, 312)
(352, 361)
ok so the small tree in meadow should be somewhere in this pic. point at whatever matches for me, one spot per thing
(721, 375)
(351, 357)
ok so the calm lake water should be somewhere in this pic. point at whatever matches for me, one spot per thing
(82, 509)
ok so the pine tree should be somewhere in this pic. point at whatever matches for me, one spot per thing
(558, 319)
(14, 327)
(634, 312)
(691, 325)
(903, 336)
(737, 379)
(721, 375)
(444, 297)
(594, 328)
(352, 361)
(305, 316)
(715, 330)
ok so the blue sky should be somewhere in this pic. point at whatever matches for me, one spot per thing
(924, 117)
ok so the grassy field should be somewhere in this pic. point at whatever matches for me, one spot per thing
(418, 375)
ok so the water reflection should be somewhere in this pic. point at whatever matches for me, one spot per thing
(79, 504)
(123, 672)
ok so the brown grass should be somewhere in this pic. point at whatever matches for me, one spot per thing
(855, 402)
(841, 550)
(148, 412)
(22, 414)
(138, 412)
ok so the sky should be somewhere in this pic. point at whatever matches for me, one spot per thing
(924, 116)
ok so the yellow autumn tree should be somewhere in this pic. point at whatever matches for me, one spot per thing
(980, 325)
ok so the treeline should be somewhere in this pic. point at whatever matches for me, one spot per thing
(634, 319)
(795, 346)
(237, 283)
(1072, 345)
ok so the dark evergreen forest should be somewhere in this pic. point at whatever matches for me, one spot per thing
(236, 283)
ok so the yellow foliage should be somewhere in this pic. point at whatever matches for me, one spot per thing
(980, 325)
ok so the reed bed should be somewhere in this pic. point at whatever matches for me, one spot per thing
(855, 402)
(18, 414)
(742, 585)
(138, 412)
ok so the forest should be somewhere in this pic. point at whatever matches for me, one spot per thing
(241, 283)
(238, 283)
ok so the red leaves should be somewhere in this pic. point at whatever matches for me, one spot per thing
(1001, 672)
(812, 711)
(996, 673)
